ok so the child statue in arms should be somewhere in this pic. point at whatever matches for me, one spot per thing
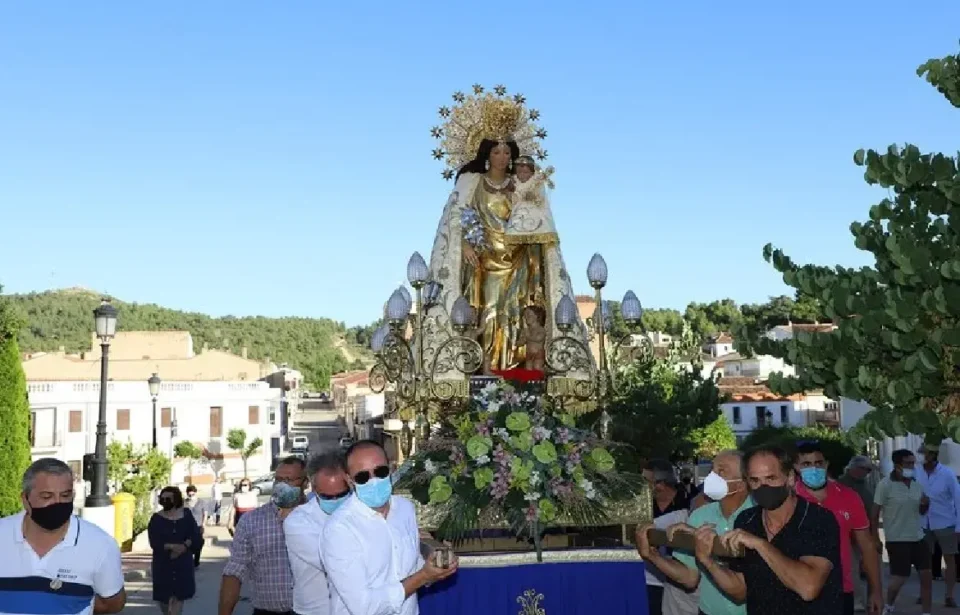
(531, 221)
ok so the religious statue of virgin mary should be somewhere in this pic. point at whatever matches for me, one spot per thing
(503, 266)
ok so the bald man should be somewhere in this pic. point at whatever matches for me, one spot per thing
(727, 498)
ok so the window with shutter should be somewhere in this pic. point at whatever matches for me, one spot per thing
(76, 421)
(165, 417)
(123, 420)
(216, 422)
(253, 415)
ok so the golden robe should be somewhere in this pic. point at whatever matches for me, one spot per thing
(508, 278)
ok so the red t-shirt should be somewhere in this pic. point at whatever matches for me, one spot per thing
(847, 508)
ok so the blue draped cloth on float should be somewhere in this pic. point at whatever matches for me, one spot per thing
(572, 582)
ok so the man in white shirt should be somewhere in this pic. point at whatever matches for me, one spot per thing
(942, 520)
(371, 545)
(303, 528)
(52, 561)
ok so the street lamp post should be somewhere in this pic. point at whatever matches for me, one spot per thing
(105, 317)
(154, 384)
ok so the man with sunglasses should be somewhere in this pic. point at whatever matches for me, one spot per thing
(259, 551)
(302, 530)
(371, 546)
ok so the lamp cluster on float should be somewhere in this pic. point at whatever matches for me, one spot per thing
(402, 364)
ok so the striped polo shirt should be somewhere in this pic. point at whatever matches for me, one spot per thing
(86, 563)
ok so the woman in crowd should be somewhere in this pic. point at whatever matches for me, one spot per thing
(244, 500)
(173, 534)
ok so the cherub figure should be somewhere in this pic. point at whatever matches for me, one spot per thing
(534, 336)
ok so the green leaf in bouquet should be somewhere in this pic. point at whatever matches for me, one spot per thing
(518, 421)
(440, 490)
(482, 477)
(602, 459)
(578, 474)
(547, 510)
(522, 441)
(521, 469)
(478, 446)
(545, 452)
(556, 471)
(567, 420)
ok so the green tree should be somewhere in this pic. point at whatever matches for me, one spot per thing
(120, 460)
(189, 451)
(897, 344)
(139, 472)
(835, 447)
(716, 437)
(237, 440)
(714, 317)
(14, 413)
(660, 404)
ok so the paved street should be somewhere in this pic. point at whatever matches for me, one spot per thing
(320, 426)
(215, 554)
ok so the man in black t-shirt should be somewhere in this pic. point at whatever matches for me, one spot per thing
(791, 561)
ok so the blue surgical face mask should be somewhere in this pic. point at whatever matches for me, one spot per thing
(329, 506)
(376, 492)
(906, 472)
(286, 496)
(815, 478)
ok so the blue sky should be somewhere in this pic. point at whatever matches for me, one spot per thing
(273, 158)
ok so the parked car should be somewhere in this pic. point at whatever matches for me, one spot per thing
(300, 443)
(263, 485)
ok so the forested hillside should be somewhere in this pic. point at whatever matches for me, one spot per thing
(65, 318)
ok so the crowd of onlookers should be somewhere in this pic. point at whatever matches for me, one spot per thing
(773, 532)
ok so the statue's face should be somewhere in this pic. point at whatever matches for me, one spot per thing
(500, 157)
(524, 172)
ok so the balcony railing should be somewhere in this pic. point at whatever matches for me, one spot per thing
(828, 417)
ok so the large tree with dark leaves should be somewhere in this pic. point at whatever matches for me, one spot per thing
(897, 342)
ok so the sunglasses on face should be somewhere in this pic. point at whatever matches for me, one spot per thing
(336, 496)
(163, 501)
(363, 476)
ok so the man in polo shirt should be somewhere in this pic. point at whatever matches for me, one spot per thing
(727, 490)
(791, 548)
(851, 516)
(902, 502)
(54, 562)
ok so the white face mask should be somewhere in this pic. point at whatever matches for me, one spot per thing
(716, 487)
(244, 489)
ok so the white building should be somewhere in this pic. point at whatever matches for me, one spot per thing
(207, 395)
(852, 411)
(751, 405)
(718, 345)
(733, 365)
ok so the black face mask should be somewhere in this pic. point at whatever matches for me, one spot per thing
(769, 497)
(52, 516)
(166, 505)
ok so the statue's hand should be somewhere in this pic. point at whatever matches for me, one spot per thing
(470, 255)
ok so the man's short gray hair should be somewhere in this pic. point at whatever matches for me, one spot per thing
(46, 465)
(330, 461)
